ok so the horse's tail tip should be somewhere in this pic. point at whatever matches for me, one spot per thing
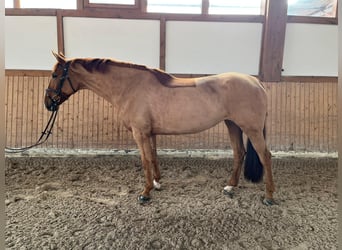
(253, 167)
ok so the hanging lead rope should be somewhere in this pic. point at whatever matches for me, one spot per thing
(46, 133)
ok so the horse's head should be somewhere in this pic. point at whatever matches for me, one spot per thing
(60, 87)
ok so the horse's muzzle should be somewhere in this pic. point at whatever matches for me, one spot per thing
(51, 104)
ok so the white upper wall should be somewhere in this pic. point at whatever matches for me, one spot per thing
(212, 47)
(29, 41)
(134, 41)
(191, 47)
(310, 50)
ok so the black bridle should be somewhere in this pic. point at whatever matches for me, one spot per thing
(59, 96)
(56, 100)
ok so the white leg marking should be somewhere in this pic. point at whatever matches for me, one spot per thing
(156, 184)
(228, 188)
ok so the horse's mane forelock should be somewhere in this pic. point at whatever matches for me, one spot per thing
(101, 65)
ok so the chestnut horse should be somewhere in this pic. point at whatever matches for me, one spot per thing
(152, 102)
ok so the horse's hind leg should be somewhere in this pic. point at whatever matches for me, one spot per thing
(156, 175)
(235, 134)
(259, 144)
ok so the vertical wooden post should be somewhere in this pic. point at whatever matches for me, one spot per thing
(271, 59)
(16, 4)
(143, 5)
(205, 7)
(162, 46)
(80, 4)
(60, 32)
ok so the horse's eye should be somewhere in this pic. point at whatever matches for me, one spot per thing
(54, 75)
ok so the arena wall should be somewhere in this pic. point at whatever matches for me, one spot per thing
(302, 105)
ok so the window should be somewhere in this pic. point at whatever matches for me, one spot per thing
(175, 6)
(9, 4)
(321, 8)
(43, 4)
(236, 7)
(123, 2)
(111, 3)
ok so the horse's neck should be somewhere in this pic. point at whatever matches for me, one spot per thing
(113, 84)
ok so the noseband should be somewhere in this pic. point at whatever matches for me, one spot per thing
(59, 96)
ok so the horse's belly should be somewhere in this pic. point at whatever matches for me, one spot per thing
(186, 123)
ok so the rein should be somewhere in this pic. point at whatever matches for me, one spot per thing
(56, 100)
(46, 133)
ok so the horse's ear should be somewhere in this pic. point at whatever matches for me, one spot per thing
(60, 57)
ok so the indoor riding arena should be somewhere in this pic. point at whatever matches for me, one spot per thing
(95, 87)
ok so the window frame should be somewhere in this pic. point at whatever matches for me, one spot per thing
(16, 6)
(87, 4)
(138, 9)
(262, 10)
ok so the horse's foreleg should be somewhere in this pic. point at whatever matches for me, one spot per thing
(235, 134)
(143, 142)
(156, 176)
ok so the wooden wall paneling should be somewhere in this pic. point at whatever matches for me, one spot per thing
(301, 116)
(99, 121)
(90, 111)
(325, 132)
(7, 113)
(277, 114)
(102, 122)
(67, 124)
(329, 88)
(287, 116)
(323, 142)
(316, 116)
(297, 117)
(296, 111)
(319, 115)
(292, 116)
(19, 112)
(293, 124)
(311, 107)
(74, 118)
(317, 119)
(40, 110)
(35, 104)
(330, 104)
(334, 118)
(29, 111)
(270, 115)
(9, 110)
(307, 119)
(80, 123)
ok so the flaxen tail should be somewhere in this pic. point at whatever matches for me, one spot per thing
(253, 168)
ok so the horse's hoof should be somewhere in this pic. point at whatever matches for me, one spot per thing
(269, 202)
(228, 191)
(230, 194)
(143, 199)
